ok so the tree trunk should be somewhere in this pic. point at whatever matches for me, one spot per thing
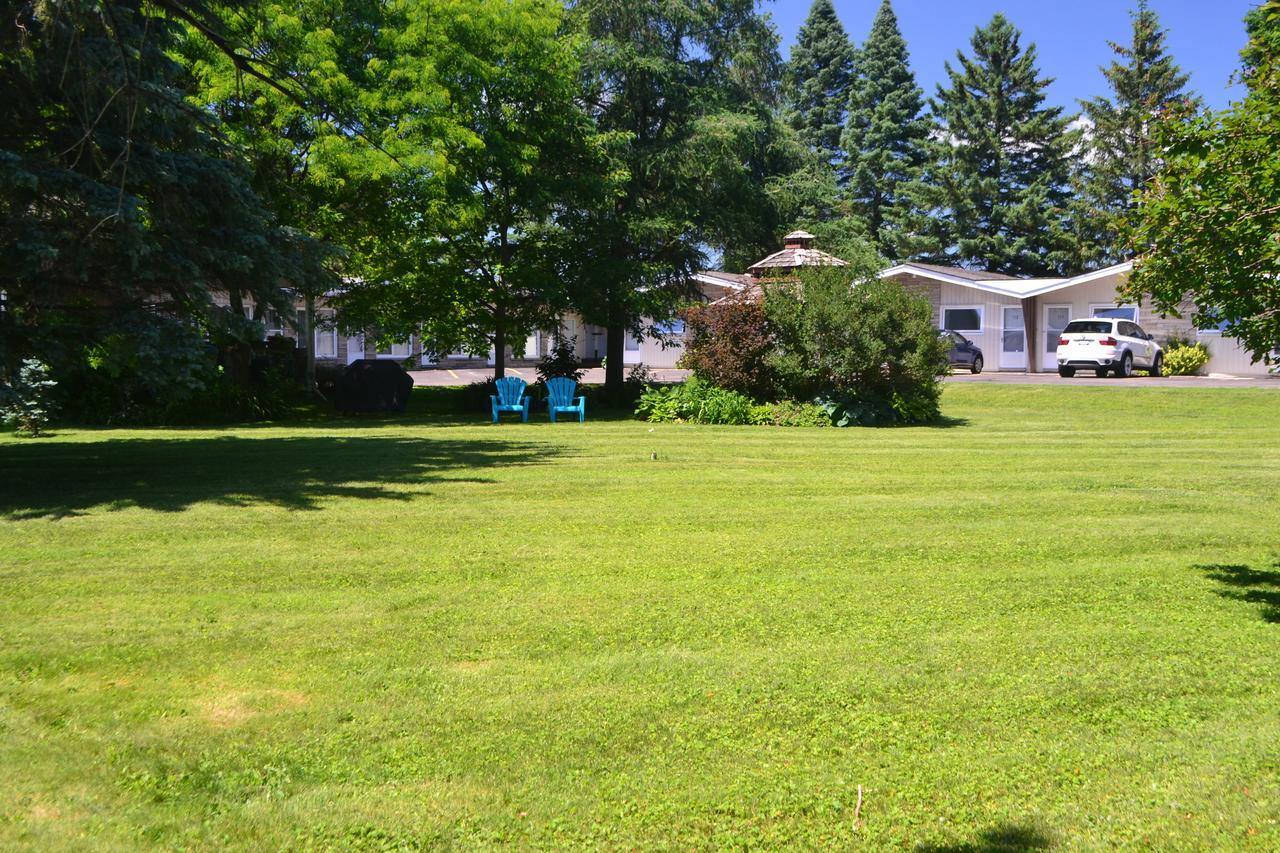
(614, 350)
(309, 330)
(237, 354)
(499, 346)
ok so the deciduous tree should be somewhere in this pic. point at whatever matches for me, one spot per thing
(1208, 226)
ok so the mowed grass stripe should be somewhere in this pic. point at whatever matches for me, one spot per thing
(429, 633)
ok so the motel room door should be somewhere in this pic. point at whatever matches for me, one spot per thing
(1013, 339)
(1056, 318)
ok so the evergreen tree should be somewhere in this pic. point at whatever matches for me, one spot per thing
(682, 90)
(119, 200)
(816, 81)
(995, 195)
(885, 136)
(1122, 152)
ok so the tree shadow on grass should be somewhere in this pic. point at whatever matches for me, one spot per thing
(171, 474)
(1005, 838)
(1253, 585)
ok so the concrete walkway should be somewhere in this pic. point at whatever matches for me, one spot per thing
(595, 376)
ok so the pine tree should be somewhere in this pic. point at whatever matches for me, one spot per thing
(995, 195)
(885, 135)
(816, 80)
(1144, 81)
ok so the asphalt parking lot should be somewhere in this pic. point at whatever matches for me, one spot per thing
(465, 376)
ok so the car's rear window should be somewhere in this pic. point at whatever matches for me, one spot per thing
(1088, 327)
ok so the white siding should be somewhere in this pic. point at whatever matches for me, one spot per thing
(957, 295)
(1226, 355)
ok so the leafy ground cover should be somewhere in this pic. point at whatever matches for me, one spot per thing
(1054, 622)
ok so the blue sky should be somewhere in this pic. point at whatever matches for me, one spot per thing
(1205, 36)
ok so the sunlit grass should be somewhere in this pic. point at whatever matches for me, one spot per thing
(1056, 622)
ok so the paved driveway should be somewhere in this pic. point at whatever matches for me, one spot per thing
(467, 375)
(595, 376)
(1082, 379)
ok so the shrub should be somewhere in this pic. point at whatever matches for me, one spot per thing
(25, 401)
(562, 360)
(729, 345)
(142, 365)
(698, 401)
(869, 349)
(695, 401)
(789, 413)
(1185, 359)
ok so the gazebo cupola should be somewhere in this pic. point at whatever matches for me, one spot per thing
(797, 251)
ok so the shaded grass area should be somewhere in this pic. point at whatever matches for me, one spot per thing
(1046, 626)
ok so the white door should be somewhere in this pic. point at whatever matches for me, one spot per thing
(1056, 318)
(1013, 339)
(355, 348)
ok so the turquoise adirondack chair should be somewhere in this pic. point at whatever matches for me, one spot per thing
(510, 398)
(560, 398)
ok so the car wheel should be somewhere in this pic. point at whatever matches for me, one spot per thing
(1101, 373)
(1125, 368)
(977, 365)
(1066, 372)
(1157, 366)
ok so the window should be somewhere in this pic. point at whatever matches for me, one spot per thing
(673, 327)
(326, 335)
(1213, 328)
(274, 323)
(1087, 327)
(632, 343)
(963, 318)
(397, 350)
(1118, 312)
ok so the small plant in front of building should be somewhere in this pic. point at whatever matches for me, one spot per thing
(25, 400)
(562, 360)
(1184, 358)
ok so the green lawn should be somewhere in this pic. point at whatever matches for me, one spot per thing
(1054, 623)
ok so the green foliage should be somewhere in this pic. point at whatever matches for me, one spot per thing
(995, 193)
(141, 365)
(486, 266)
(1206, 226)
(562, 360)
(26, 400)
(115, 192)
(729, 344)
(1144, 81)
(885, 135)
(815, 82)
(683, 91)
(1185, 359)
(790, 413)
(695, 401)
(868, 348)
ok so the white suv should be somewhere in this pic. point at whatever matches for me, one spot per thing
(1105, 344)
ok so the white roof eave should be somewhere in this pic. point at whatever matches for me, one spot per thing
(1017, 288)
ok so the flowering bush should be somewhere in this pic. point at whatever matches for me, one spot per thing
(1185, 359)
